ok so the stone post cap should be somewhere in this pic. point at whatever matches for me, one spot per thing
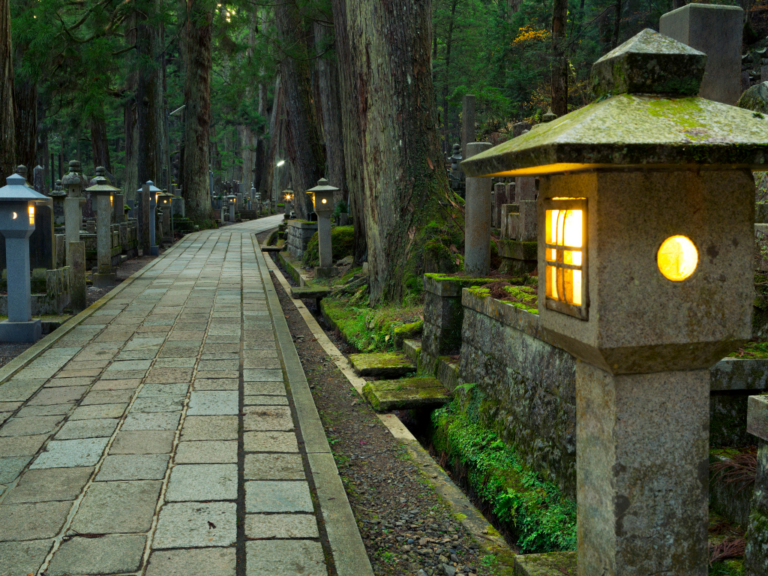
(649, 63)
(322, 186)
(102, 186)
(21, 170)
(757, 416)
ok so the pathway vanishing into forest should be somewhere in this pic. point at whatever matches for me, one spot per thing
(171, 431)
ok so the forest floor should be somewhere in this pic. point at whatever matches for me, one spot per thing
(406, 527)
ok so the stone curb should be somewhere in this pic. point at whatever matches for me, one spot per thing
(347, 546)
(462, 507)
(42, 345)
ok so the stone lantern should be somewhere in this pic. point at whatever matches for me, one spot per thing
(322, 200)
(17, 222)
(58, 195)
(104, 194)
(231, 204)
(165, 202)
(73, 183)
(288, 201)
(153, 192)
(251, 197)
(645, 258)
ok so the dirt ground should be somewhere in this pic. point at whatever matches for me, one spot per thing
(406, 527)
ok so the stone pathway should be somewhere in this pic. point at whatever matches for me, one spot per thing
(158, 437)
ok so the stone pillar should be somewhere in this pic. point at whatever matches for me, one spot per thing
(77, 268)
(153, 249)
(715, 30)
(525, 188)
(145, 238)
(104, 276)
(118, 205)
(20, 327)
(499, 199)
(641, 510)
(467, 123)
(325, 249)
(477, 214)
(73, 217)
(166, 225)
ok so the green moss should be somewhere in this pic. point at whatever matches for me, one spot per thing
(342, 241)
(368, 329)
(407, 332)
(536, 512)
(753, 350)
(727, 568)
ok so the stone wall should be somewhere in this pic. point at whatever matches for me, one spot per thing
(297, 236)
(529, 386)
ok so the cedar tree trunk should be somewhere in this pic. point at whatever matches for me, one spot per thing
(7, 124)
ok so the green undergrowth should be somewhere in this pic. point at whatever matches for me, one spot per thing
(753, 350)
(379, 329)
(539, 517)
(727, 568)
(342, 241)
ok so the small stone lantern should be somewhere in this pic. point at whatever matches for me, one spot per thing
(17, 222)
(322, 200)
(231, 204)
(288, 201)
(104, 194)
(154, 191)
(645, 262)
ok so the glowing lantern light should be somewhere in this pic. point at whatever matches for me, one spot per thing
(677, 258)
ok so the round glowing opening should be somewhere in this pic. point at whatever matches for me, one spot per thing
(677, 258)
(325, 201)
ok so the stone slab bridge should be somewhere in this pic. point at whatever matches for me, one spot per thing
(169, 430)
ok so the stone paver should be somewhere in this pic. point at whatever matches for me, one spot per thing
(151, 387)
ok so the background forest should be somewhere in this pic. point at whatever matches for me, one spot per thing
(169, 89)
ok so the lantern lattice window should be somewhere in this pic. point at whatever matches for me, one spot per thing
(566, 256)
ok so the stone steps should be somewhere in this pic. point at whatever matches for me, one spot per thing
(387, 364)
(385, 395)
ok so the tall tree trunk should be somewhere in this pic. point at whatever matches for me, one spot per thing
(616, 24)
(328, 80)
(447, 75)
(267, 175)
(559, 60)
(303, 139)
(197, 93)
(149, 93)
(99, 143)
(404, 185)
(25, 121)
(350, 123)
(131, 175)
(7, 124)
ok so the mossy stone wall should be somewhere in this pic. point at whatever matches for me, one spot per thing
(757, 534)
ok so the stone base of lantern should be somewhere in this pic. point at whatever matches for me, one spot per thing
(325, 271)
(103, 280)
(154, 250)
(30, 331)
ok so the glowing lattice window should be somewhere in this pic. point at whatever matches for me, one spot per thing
(566, 256)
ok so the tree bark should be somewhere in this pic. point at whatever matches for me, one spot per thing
(616, 24)
(404, 185)
(350, 123)
(267, 175)
(303, 139)
(99, 143)
(559, 60)
(328, 80)
(197, 92)
(149, 94)
(7, 123)
(446, 74)
(25, 121)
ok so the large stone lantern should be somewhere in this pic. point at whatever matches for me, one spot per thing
(104, 193)
(17, 222)
(645, 218)
(322, 200)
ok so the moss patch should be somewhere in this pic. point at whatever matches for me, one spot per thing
(342, 240)
(369, 329)
(536, 513)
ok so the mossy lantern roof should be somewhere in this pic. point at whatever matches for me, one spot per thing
(646, 115)
(102, 186)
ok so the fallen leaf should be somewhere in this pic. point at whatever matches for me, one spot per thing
(211, 525)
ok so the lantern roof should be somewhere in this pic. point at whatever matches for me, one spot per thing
(646, 115)
(102, 186)
(152, 187)
(16, 190)
(322, 186)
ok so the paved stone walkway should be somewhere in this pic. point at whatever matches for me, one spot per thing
(157, 437)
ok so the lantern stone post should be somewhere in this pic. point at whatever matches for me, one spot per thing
(231, 202)
(58, 195)
(73, 205)
(645, 256)
(322, 200)
(17, 222)
(103, 193)
(149, 205)
(477, 219)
